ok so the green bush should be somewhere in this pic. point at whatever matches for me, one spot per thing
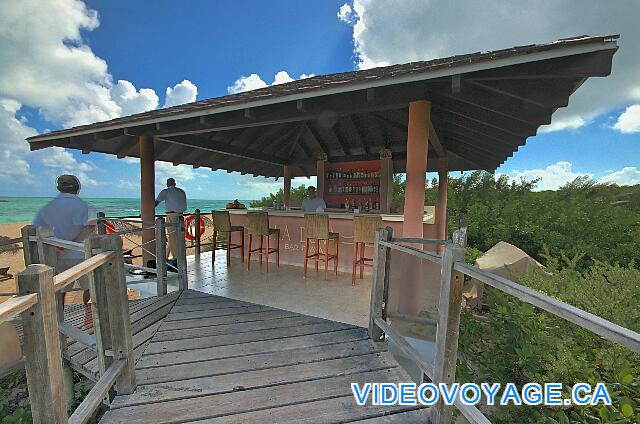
(297, 194)
(516, 342)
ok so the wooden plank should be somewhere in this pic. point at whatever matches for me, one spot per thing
(77, 335)
(161, 254)
(234, 328)
(586, 320)
(409, 351)
(417, 416)
(255, 379)
(263, 346)
(57, 242)
(16, 305)
(217, 312)
(226, 319)
(259, 399)
(43, 360)
(92, 401)
(67, 277)
(247, 337)
(422, 254)
(179, 309)
(337, 410)
(257, 362)
(381, 263)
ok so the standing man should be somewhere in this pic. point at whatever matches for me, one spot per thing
(313, 203)
(175, 203)
(68, 216)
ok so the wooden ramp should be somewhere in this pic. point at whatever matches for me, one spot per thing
(146, 317)
(220, 360)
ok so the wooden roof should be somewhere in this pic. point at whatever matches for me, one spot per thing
(484, 106)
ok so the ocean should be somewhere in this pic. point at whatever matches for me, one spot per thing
(24, 209)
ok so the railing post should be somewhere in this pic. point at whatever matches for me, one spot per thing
(380, 282)
(197, 236)
(161, 257)
(181, 254)
(119, 318)
(43, 358)
(47, 255)
(99, 308)
(444, 370)
(101, 224)
(29, 248)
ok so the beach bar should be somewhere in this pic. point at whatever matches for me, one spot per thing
(194, 355)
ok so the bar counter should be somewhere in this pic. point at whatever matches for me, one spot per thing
(291, 225)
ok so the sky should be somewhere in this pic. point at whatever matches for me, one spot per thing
(68, 62)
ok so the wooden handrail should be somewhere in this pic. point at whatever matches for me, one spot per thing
(16, 305)
(586, 320)
(418, 240)
(67, 277)
(433, 257)
(58, 242)
(10, 241)
(405, 348)
(78, 335)
(85, 410)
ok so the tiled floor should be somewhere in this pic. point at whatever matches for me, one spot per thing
(285, 288)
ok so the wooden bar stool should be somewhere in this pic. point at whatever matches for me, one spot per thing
(259, 225)
(364, 232)
(222, 224)
(316, 227)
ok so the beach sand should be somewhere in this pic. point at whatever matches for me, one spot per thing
(15, 262)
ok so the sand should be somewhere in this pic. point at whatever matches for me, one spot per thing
(15, 260)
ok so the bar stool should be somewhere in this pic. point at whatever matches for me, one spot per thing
(222, 224)
(364, 232)
(316, 227)
(259, 225)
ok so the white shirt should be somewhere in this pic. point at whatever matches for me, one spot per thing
(312, 205)
(175, 199)
(67, 215)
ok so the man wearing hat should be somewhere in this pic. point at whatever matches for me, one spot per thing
(68, 216)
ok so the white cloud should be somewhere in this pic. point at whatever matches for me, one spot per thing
(13, 131)
(346, 14)
(398, 31)
(629, 120)
(551, 178)
(281, 78)
(561, 124)
(629, 175)
(180, 173)
(132, 101)
(184, 92)
(252, 82)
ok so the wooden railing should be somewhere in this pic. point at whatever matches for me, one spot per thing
(40, 304)
(160, 228)
(441, 369)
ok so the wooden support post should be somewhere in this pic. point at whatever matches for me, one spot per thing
(29, 248)
(386, 180)
(286, 197)
(101, 224)
(47, 255)
(380, 282)
(147, 194)
(197, 235)
(441, 207)
(119, 318)
(99, 307)
(181, 255)
(320, 175)
(444, 370)
(161, 257)
(43, 358)
(413, 225)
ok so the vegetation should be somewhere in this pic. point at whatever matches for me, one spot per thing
(297, 194)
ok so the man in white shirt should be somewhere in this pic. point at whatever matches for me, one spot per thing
(68, 216)
(313, 203)
(175, 203)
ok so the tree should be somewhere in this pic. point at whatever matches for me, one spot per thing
(297, 194)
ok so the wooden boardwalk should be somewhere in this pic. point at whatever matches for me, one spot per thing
(220, 360)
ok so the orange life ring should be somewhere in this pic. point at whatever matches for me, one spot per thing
(109, 227)
(189, 227)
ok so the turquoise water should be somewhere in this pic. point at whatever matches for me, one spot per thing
(24, 209)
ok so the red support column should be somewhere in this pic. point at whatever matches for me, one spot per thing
(417, 149)
(147, 194)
